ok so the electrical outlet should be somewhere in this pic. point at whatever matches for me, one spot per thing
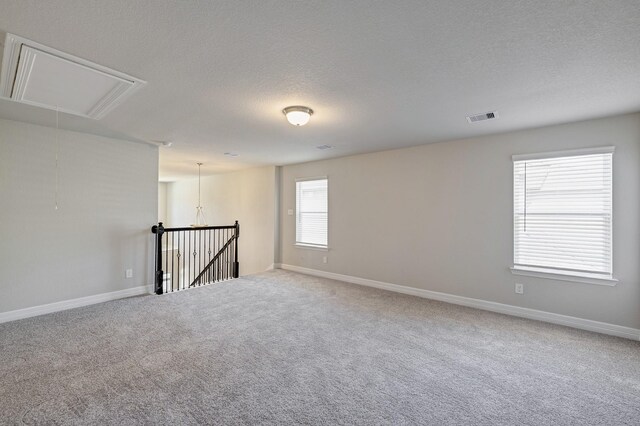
(519, 288)
(128, 273)
(324, 259)
(290, 212)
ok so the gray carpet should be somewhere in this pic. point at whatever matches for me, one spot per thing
(285, 348)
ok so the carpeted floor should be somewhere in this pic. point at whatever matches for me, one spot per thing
(284, 348)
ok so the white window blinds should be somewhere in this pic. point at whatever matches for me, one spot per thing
(311, 212)
(562, 212)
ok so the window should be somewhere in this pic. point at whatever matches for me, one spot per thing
(562, 213)
(312, 212)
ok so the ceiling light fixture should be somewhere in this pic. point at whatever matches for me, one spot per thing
(298, 115)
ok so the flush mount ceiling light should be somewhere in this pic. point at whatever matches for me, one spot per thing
(298, 115)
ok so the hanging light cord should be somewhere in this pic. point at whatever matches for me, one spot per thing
(200, 220)
(57, 155)
(199, 165)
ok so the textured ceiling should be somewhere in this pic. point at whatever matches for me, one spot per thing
(379, 74)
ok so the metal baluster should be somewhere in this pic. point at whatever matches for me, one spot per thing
(173, 257)
(222, 255)
(210, 267)
(203, 254)
(236, 263)
(195, 253)
(196, 260)
(183, 236)
(165, 287)
(226, 257)
(218, 260)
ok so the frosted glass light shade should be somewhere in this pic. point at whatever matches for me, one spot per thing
(298, 115)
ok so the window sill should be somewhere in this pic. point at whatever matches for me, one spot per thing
(311, 247)
(563, 276)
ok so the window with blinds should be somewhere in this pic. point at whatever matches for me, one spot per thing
(563, 211)
(312, 212)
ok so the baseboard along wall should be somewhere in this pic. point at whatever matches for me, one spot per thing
(569, 321)
(73, 303)
(580, 323)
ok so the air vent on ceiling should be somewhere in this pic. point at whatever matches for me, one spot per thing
(482, 117)
(39, 75)
(324, 146)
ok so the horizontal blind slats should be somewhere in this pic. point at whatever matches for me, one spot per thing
(312, 212)
(562, 212)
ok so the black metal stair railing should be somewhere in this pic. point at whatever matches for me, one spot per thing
(194, 256)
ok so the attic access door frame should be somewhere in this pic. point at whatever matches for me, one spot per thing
(38, 75)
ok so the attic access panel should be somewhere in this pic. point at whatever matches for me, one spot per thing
(38, 75)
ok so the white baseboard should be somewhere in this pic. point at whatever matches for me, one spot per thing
(73, 303)
(583, 324)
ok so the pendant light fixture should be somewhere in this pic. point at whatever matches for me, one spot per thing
(200, 219)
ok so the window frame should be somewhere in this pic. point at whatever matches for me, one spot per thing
(304, 245)
(556, 273)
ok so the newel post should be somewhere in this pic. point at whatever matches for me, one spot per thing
(236, 264)
(158, 230)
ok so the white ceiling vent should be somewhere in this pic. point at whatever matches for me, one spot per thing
(39, 75)
(482, 117)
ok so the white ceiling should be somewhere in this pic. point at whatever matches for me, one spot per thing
(379, 74)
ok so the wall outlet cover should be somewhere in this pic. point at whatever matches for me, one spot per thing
(519, 288)
(128, 273)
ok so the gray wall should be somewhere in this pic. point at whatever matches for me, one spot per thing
(162, 202)
(439, 217)
(247, 196)
(108, 193)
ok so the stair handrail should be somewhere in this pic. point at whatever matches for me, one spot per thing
(159, 230)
